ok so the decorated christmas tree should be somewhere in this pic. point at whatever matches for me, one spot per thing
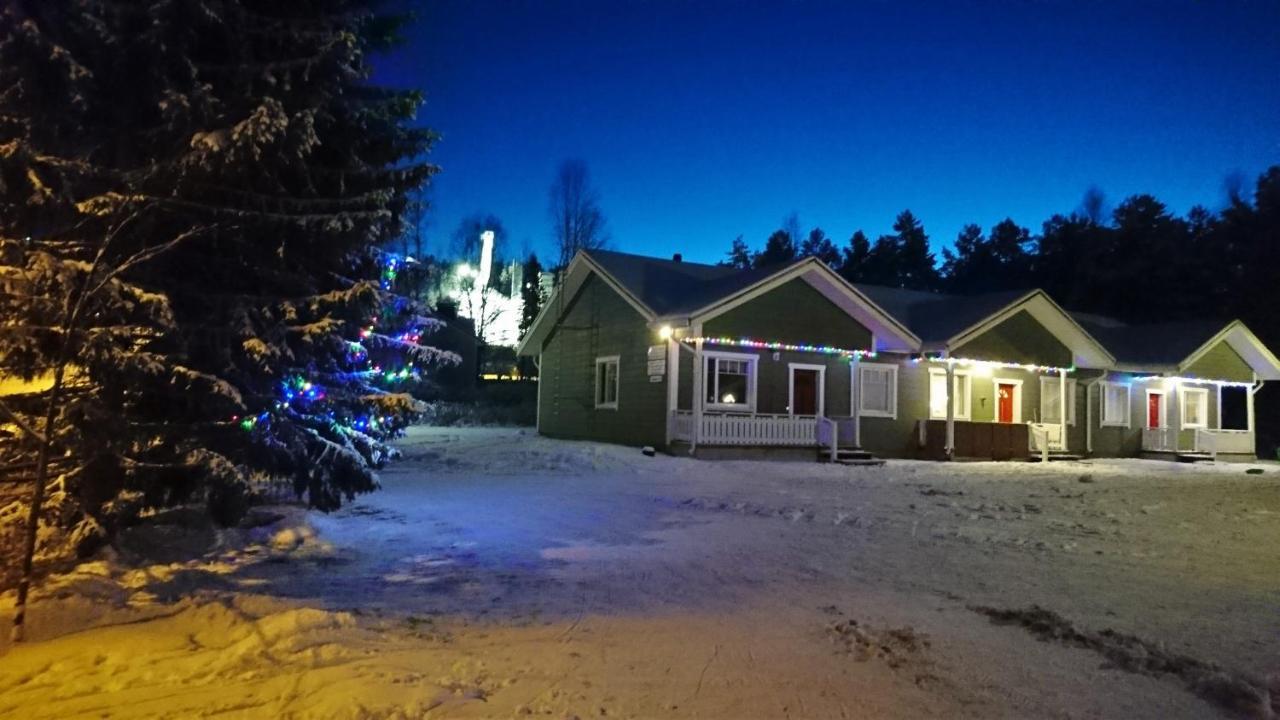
(191, 198)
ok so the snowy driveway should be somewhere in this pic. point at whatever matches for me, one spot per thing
(510, 527)
(499, 574)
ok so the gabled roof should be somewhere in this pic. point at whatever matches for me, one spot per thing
(934, 317)
(1159, 344)
(945, 322)
(670, 287)
(680, 293)
(1175, 346)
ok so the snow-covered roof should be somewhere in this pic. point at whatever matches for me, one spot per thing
(674, 287)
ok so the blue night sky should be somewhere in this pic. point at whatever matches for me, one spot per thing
(702, 121)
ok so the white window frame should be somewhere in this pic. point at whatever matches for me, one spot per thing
(752, 361)
(960, 413)
(1071, 398)
(996, 382)
(863, 411)
(1204, 412)
(1104, 386)
(791, 386)
(603, 362)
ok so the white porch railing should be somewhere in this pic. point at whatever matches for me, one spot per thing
(835, 433)
(1045, 436)
(1227, 441)
(1204, 440)
(760, 430)
(1163, 439)
(682, 426)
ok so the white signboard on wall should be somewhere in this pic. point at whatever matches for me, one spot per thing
(657, 362)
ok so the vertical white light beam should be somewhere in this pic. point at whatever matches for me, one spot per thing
(486, 258)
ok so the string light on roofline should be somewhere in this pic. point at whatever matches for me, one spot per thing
(994, 364)
(1177, 380)
(789, 347)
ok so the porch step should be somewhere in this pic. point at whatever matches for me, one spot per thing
(1191, 457)
(1056, 455)
(865, 462)
(850, 456)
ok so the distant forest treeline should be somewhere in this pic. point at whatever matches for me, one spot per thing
(1139, 262)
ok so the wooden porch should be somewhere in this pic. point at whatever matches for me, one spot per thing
(975, 439)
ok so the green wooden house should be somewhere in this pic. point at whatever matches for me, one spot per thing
(716, 361)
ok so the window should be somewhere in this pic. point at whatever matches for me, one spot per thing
(1050, 398)
(1115, 404)
(877, 390)
(730, 381)
(938, 394)
(607, 382)
(1234, 408)
(1195, 407)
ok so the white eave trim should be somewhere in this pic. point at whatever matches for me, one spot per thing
(1247, 345)
(889, 329)
(1086, 352)
(575, 276)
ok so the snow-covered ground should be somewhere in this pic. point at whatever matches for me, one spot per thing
(499, 574)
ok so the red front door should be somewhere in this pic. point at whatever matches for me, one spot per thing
(1004, 406)
(1153, 410)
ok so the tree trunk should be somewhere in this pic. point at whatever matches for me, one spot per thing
(37, 501)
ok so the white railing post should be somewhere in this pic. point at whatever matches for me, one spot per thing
(855, 401)
(699, 374)
(1062, 408)
(950, 449)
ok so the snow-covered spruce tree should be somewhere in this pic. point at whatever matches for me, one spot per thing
(267, 343)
